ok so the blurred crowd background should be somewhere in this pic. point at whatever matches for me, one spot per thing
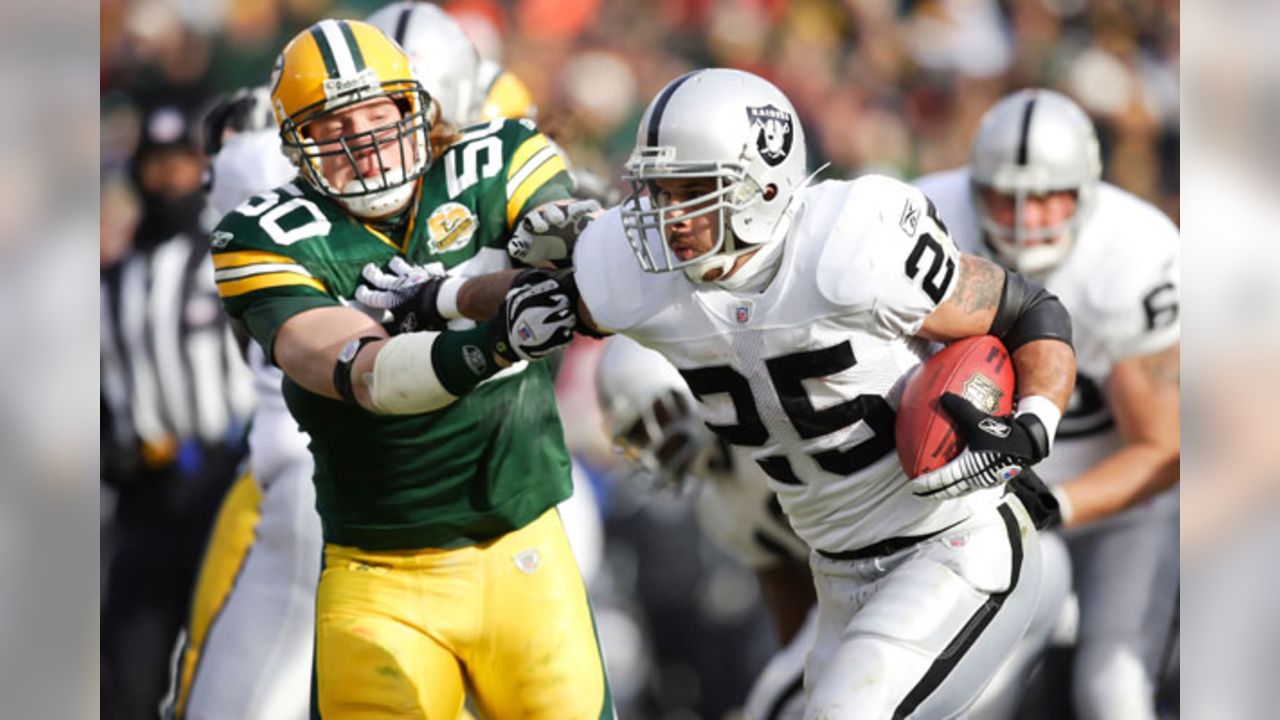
(889, 87)
(882, 86)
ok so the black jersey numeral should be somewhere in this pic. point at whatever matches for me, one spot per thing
(788, 373)
(933, 285)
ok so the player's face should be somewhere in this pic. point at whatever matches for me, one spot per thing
(1038, 211)
(687, 237)
(371, 139)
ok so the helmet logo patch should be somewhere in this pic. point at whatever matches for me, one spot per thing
(773, 131)
(450, 227)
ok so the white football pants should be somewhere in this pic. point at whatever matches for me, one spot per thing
(919, 633)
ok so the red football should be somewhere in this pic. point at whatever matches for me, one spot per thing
(978, 368)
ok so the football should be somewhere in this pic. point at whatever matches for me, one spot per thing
(977, 368)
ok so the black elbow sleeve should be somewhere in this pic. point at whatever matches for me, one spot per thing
(1028, 312)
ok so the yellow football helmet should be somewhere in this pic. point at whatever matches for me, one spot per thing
(334, 65)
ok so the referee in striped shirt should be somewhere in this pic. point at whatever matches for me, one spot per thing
(175, 397)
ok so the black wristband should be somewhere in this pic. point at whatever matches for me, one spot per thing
(342, 368)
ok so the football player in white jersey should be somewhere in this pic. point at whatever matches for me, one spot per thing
(1032, 199)
(246, 649)
(794, 314)
(649, 415)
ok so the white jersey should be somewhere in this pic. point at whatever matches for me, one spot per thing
(805, 375)
(1120, 284)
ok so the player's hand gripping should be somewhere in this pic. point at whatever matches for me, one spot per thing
(537, 317)
(407, 291)
(550, 230)
(997, 449)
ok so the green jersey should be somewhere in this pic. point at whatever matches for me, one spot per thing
(489, 463)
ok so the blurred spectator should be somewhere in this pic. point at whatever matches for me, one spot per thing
(175, 397)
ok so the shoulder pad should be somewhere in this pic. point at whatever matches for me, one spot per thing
(284, 220)
(616, 291)
(885, 250)
(865, 219)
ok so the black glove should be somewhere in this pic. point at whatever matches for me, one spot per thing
(997, 449)
(1037, 498)
(537, 317)
(406, 291)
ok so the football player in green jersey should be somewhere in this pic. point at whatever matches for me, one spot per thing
(439, 455)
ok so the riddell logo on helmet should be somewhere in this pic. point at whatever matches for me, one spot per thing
(773, 128)
(366, 81)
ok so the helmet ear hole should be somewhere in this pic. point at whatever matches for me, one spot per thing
(770, 192)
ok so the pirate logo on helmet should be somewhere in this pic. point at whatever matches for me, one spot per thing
(773, 132)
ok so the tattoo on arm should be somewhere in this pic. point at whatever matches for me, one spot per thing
(481, 296)
(1163, 368)
(980, 284)
(972, 305)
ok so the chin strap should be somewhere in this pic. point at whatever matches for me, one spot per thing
(762, 262)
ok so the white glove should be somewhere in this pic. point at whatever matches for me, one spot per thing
(549, 231)
(998, 447)
(407, 291)
(536, 318)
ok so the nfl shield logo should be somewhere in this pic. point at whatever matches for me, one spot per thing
(742, 313)
(528, 561)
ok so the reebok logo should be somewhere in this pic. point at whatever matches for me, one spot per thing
(991, 426)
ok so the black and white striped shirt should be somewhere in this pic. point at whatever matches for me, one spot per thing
(171, 368)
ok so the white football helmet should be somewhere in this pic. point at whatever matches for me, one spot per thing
(724, 124)
(1034, 142)
(444, 60)
(649, 412)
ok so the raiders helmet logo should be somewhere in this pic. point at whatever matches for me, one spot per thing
(772, 128)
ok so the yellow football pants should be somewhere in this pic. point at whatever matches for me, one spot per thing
(403, 633)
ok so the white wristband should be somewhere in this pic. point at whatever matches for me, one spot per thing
(1064, 503)
(447, 297)
(1044, 409)
(404, 381)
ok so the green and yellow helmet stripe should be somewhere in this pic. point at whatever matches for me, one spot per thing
(338, 48)
(334, 56)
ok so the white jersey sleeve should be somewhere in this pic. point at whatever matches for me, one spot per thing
(616, 292)
(888, 241)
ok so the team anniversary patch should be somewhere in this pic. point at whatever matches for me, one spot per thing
(450, 227)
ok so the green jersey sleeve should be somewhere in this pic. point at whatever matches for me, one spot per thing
(265, 269)
(536, 171)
